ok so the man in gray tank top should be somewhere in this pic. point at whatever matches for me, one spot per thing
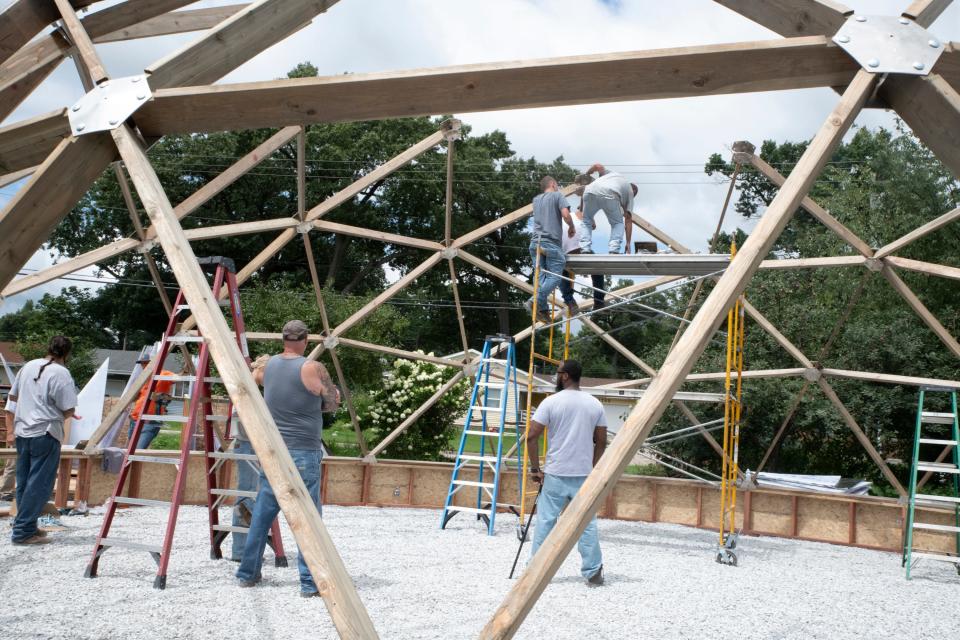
(297, 391)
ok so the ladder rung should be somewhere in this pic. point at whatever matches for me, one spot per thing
(154, 459)
(252, 457)
(230, 528)
(478, 407)
(946, 443)
(937, 467)
(181, 339)
(174, 378)
(234, 492)
(225, 302)
(218, 418)
(467, 456)
(168, 417)
(494, 360)
(935, 498)
(491, 385)
(949, 528)
(492, 434)
(474, 483)
(942, 557)
(141, 502)
(468, 509)
(127, 544)
(547, 359)
(933, 417)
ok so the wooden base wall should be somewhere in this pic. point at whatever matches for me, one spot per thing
(875, 523)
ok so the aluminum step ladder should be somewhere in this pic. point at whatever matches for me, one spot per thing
(498, 422)
(935, 431)
(199, 421)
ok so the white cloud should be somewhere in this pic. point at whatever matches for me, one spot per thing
(383, 35)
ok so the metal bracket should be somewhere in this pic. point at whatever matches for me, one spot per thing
(305, 227)
(449, 253)
(889, 44)
(147, 246)
(874, 264)
(109, 104)
(812, 374)
(331, 342)
(451, 129)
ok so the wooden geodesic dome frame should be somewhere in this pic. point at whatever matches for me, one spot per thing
(64, 153)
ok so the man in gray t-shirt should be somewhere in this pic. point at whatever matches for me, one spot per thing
(612, 194)
(577, 428)
(549, 210)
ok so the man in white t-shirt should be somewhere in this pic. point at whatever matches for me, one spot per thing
(578, 436)
(612, 194)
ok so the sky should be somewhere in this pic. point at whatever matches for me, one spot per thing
(661, 145)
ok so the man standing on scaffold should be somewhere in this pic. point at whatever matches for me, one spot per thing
(550, 210)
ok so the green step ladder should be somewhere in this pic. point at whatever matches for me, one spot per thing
(940, 430)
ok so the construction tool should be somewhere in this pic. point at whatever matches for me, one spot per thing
(525, 529)
(199, 421)
(929, 431)
(493, 411)
(732, 410)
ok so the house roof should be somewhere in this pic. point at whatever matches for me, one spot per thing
(10, 353)
(122, 361)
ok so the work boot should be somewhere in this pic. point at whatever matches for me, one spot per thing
(573, 309)
(35, 539)
(597, 578)
(599, 304)
(309, 594)
(246, 584)
(544, 317)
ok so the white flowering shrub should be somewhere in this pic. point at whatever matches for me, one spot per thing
(408, 385)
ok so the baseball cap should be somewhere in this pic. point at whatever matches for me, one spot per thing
(295, 330)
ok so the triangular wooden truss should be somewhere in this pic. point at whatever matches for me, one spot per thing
(64, 165)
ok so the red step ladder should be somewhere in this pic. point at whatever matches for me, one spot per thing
(200, 422)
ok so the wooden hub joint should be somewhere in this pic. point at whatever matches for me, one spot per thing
(305, 227)
(331, 342)
(743, 152)
(146, 246)
(369, 459)
(889, 44)
(812, 374)
(451, 129)
(449, 254)
(874, 264)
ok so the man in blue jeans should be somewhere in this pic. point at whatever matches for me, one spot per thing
(550, 210)
(578, 437)
(297, 391)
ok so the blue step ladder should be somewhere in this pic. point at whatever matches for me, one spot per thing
(942, 431)
(495, 422)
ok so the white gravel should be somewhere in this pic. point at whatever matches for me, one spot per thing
(420, 582)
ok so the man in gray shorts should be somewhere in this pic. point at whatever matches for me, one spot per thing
(612, 194)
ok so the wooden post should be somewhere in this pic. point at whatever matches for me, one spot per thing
(852, 535)
(511, 613)
(333, 582)
(921, 310)
(794, 516)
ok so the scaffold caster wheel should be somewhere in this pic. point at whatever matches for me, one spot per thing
(732, 543)
(725, 556)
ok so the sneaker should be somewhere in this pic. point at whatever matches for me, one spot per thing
(573, 309)
(309, 594)
(597, 578)
(586, 252)
(34, 539)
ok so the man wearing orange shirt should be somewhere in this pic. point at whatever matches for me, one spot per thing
(157, 406)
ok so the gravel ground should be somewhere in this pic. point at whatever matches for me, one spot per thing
(420, 582)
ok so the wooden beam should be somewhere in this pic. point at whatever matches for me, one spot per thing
(659, 234)
(924, 12)
(399, 353)
(860, 435)
(918, 233)
(333, 582)
(888, 378)
(921, 310)
(67, 267)
(517, 604)
(815, 209)
(16, 176)
(237, 39)
(793, 17)
(788, 418)
(81, 41)
(29, 142)
(775, 333)
(371, 234)
(12, 94)
(172, 23)
(814, 263)
(502, 221)
(31, 216)
(647, 75)
(931, 107)
(940, 270)
(23, 19)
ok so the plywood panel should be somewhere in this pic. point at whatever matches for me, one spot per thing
(935, 540)
(823, 520)
(634, 499)
(344, 483)
(677, 504)
(710, 509)
(772, 513)
(879, 526)
(389, 485)
(430, 486)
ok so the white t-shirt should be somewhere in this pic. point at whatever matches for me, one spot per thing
(612, 185)
(569, 244)
(571, 417)
(41, 403)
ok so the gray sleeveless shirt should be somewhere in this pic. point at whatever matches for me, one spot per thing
(297, 412)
